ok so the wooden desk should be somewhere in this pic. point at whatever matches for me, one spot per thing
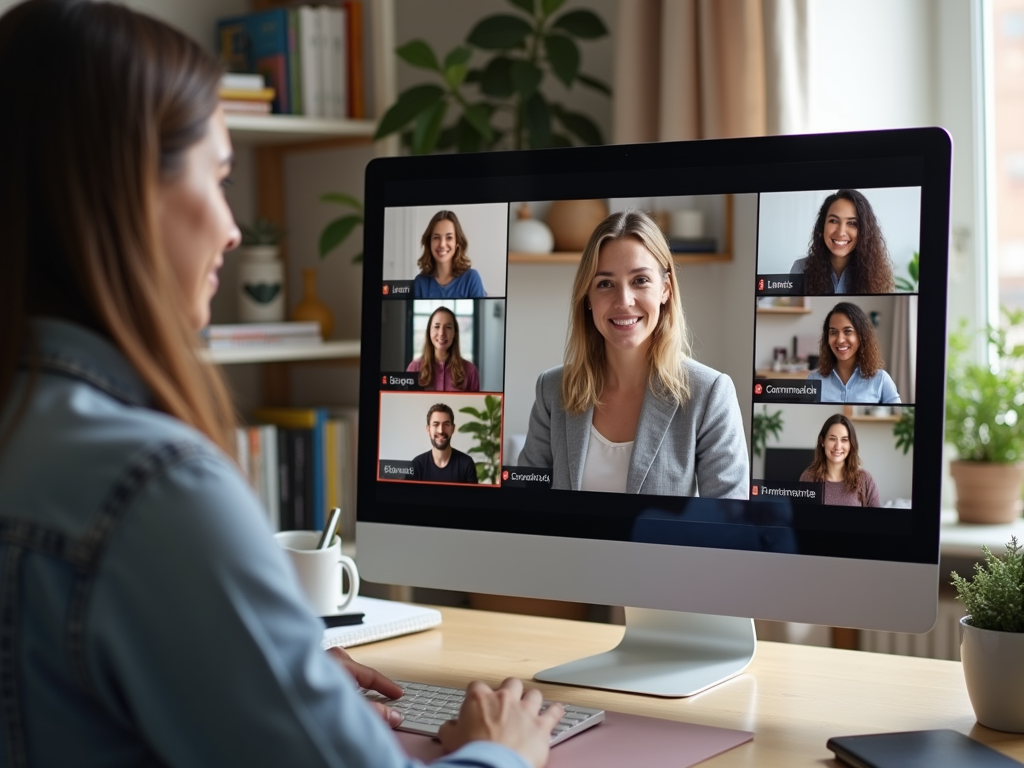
(792, 697)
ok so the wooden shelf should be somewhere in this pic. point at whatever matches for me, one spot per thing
(768, 373)
(267, 130)
(328, 350)
(784, 310)
(877, 419)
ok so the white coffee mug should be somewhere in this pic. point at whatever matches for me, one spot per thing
(320, 570)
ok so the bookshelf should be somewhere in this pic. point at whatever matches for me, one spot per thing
(273, 142)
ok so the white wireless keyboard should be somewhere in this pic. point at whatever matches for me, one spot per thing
(426, 707)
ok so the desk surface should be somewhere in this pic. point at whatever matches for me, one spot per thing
(792, 697)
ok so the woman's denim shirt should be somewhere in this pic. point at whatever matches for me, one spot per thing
(147, 616)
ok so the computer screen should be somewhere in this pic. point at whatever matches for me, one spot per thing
(806, 311)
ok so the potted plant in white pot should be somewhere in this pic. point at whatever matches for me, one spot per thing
(992, 638)
(260, 273)
(985, 424)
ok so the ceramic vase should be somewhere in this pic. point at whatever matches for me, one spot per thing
(572, 222)
(260, 285)
(993, 665)
(528, 235)
(310, 308)
(987, 492)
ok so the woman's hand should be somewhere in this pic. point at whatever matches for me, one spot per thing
(370, 678)
(507, 716)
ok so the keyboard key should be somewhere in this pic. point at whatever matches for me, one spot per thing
(428, 707)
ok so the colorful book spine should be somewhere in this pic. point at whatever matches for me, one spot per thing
(310, 481)
(260, 40)
(310, 44)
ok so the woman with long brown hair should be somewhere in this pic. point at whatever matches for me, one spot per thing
(442, 366)
(837, 464)
(847, 253)
(445, 269)
(148, 615)
(850, 364)
(630, 411)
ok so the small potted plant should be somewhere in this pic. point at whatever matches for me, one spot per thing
(992, 638)
(260, 272)
(985, 424)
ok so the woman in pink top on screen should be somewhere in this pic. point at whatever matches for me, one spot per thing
(837, 465)
(442, 366)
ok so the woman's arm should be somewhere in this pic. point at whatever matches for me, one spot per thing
(537, 449)
(889, 393)
(871, 498)
(472, 377)
(723, 468)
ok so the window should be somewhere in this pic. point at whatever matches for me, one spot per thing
(1005, 151)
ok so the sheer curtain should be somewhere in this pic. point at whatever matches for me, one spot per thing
(701, 69)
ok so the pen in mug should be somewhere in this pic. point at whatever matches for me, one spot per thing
(328, 534)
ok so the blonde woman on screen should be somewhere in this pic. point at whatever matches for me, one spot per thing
(630, 411)
(148, 581)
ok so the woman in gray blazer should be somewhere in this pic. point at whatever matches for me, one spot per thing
(630, 411)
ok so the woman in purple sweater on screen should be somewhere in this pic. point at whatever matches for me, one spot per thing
(837, 465)
(441, 366)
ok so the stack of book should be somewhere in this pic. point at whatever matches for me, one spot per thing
(244, 93)
(312, 56)
(302, 462)
(236, 335)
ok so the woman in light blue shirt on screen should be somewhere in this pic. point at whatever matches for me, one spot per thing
(850, 363)
(149, 617)
(445, 271)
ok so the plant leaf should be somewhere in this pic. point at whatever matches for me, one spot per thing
(526, 5)
(548, 7)
(581, 126)
(564, 56)
(458, 55)
(499, 32)
(409, 104)
(525, 78)
(455, 75)
(419, 54)
(581, 23)
(537, 118)
(592, 82)
(336, 232)
(342, 199)
(560, 140)
(428, 128)
(478, 116)
(496, 78)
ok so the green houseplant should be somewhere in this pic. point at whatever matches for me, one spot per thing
(500, 104)
(260, 293)
(487, 430)
(762, 426)
(992, 648)
(985, 423)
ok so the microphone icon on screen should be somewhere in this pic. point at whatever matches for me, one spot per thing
(754, 491)
(385, 290)
(504, 475)
(758, 389)
(760, 284)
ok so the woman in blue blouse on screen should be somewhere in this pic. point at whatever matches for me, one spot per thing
(850, 362)
(445, 269)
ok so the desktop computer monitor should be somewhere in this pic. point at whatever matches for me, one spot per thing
(793, 256)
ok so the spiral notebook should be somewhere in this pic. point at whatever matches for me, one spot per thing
(382, 619)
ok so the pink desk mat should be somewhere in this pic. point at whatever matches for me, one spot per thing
(621, 740)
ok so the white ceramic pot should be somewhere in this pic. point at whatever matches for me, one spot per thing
(260, 285)
(993, 665)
